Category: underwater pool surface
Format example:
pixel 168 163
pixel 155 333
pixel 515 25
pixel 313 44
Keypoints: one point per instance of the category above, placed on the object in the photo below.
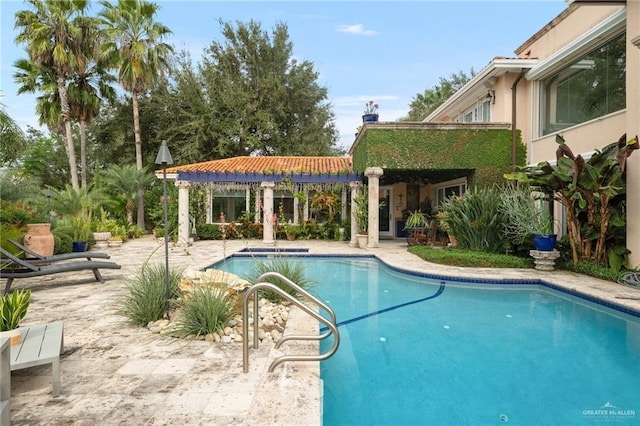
pixel 416 350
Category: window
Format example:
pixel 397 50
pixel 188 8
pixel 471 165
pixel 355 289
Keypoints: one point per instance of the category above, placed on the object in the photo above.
pixel 480 113
pixel 450 188
pixel 588 88
pixel 231 203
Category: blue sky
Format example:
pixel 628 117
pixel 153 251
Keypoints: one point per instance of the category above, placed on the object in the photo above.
pixel 385 51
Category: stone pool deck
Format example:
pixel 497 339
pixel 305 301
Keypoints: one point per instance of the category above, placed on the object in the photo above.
pixel 116 374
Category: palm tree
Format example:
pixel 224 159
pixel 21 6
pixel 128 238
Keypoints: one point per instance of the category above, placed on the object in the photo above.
pixel 12 140
pixel 90 83
pixel 48 32
pixel 32 79
pixel 126 180
pixel 134 41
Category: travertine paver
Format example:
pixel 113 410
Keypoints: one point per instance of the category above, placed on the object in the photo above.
pixel 113 373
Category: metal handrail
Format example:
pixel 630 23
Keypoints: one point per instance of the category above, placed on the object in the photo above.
pixel 331 324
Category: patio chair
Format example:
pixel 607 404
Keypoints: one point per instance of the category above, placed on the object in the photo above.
pixel 39 259
pixel 12 267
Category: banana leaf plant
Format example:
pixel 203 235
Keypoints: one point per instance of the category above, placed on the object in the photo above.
pixel 593 193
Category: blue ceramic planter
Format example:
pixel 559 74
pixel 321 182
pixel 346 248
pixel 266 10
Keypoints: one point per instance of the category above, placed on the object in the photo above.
pixel 369 118
pixel 79 246
pixel 545 242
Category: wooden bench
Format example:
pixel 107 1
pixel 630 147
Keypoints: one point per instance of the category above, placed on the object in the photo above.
pixel 41 344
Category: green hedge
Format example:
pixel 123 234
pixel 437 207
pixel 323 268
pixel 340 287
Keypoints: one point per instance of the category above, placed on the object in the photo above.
pixel 486 151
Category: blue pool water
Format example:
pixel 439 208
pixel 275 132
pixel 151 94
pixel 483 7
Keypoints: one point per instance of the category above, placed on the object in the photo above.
pixel 469 354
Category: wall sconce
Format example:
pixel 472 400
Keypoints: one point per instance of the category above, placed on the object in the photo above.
pixel 400 204
pixel 491 94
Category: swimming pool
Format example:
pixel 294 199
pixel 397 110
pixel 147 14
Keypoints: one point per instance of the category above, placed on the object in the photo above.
pixel 416 350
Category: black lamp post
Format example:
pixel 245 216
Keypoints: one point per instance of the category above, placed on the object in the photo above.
pixel 49 195
pixel 164 158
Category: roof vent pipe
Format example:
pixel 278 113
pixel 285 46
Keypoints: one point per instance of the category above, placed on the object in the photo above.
pixel 514 130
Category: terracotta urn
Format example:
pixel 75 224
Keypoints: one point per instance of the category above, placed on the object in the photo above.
pixel 39 239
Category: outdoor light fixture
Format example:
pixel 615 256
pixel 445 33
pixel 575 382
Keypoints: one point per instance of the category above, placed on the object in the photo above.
pixel 164 158
pixel 49 195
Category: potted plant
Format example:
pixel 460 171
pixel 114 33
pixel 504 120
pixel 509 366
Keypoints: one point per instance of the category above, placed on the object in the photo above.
pixel 81 230
pixel 13 308
pixel 525 220
pixel 370 112
pixel 416 224
pixel 362 217
pixel 102 231
pixel 291 230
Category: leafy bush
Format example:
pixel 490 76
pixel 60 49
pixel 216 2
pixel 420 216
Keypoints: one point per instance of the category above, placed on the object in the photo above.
pixel 288 267
pixel 475 220
pixel 589 268
pixel 63 243
pixel 15 214
pixel 145 300
pixel 470 258
pixel 207 310
pixel 208 231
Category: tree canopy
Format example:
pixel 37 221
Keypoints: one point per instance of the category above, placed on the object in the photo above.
pixel 425 103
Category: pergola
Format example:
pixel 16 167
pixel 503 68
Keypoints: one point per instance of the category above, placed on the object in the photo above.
pixel 263 175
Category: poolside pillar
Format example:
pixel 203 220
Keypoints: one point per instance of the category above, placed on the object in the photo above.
pixel 373 175
pixel 355 190
pixel 183 212
pixel 268 216
pixel 209 207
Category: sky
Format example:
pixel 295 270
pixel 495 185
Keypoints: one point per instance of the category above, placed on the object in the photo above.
pixel 384 51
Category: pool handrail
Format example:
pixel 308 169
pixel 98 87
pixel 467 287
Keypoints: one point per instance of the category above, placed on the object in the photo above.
pixel 245 322
pixel 304 292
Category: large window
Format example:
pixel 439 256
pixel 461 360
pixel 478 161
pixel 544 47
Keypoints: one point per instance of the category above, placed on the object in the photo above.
pixel 231 203
pixel 588 88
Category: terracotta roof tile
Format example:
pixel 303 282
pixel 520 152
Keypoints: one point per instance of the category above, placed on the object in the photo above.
pixel 310 165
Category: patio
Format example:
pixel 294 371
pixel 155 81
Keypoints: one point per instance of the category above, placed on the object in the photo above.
pixel 113 373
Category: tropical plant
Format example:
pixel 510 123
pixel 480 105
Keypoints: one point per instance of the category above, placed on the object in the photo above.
pixel 475 220
pixel 362 211
pixel 125 181
pixel 145 298
pixel 206 311
pixel 49 32
pixel 134 45
pixel 593 193
pixel 290 268
pixel 416 219
pixel 13 308
pixel 523 217
pixel 80 226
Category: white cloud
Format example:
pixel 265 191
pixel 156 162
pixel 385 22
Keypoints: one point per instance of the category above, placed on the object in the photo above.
pixel 357 29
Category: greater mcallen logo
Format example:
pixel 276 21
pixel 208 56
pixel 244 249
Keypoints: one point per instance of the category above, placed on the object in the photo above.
pixel 609 413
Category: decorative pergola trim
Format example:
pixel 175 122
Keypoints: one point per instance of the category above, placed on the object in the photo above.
pixel 253 177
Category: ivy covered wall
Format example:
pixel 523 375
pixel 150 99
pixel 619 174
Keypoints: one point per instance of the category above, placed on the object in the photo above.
pixel 485 151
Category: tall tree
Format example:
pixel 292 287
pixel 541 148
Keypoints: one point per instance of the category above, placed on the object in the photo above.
pixel 49 31
pixel 264 101
pixel 134 42
pixel 91 82
pixel 425 103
